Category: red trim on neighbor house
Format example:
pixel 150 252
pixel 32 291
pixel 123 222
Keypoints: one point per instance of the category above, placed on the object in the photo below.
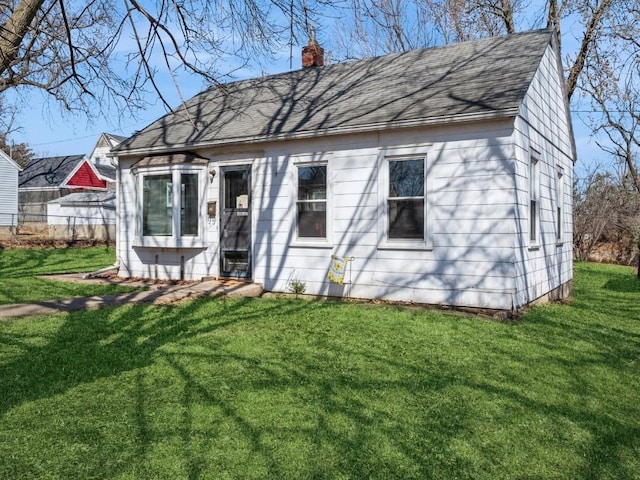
pixel 86 177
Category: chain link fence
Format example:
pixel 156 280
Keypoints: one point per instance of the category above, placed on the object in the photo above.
pixel 30 226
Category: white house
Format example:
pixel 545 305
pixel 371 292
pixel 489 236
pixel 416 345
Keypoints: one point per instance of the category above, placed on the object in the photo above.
pixel 8 191
pixel 86 215
pixel 439 176
pixel 100 153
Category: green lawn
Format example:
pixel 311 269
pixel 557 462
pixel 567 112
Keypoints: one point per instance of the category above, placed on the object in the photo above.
pixel 288 389
pixel 20 268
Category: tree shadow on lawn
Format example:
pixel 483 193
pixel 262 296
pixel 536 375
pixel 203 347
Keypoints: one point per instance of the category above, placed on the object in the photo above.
pixel 624 283
pixel 34 261
pixel 92 345
pixel 401 417
pixel 316 405
pixel 100 343
pixel 309 417
pixel 595 344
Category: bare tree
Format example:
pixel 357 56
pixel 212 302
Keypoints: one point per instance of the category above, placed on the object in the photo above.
pixel 21 153
pixel 595 210
pixel 93 55
pixel 612 83
pixel 377 27
pixel 384 26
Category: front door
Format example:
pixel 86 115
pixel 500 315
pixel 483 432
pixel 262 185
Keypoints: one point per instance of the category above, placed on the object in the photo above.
pixel 235 231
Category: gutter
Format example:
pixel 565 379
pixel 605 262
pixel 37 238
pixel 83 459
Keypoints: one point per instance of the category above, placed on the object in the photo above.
pixel 374 127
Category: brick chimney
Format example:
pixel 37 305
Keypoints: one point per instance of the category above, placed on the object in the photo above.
pixel 313 53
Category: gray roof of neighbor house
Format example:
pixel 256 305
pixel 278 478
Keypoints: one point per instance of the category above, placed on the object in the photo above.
pixel 48 171
pixel 105 199
pixel 115 138
pixel 478 79
pixel 107 172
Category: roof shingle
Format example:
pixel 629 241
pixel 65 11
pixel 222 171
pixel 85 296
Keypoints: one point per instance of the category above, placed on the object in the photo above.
pixel 48 171
pixel 477 79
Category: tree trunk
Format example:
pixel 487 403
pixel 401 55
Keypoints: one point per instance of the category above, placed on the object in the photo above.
pixel 587 40
pixel 553 19
pixel 14 30
pixel 507 16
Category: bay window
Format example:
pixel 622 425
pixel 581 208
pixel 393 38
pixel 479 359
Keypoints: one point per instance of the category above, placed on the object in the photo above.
pixel 170 207
pixel 157 205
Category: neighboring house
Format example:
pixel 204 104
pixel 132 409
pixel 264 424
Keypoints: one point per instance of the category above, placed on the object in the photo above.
pixel 9 171
pixel 46 179
pixel 83 215
pixel 100 153
pixel 441 176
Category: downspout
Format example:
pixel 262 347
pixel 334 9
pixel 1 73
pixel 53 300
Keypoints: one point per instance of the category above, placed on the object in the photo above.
pixel 115 266
pixel 113 160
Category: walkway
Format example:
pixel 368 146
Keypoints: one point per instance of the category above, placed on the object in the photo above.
pixel 158 294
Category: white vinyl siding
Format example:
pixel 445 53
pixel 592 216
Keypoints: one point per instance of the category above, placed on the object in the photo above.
pixel 543 125
pixel 465 258
pixel 8 191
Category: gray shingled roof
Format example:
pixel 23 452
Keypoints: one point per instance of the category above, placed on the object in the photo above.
pixel 106 199
pixel 48 171
pixel 479 79
pixel 115 138
pixel 107 172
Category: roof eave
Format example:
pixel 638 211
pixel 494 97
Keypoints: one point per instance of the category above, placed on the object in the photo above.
pixel 11 161
pixel 373 127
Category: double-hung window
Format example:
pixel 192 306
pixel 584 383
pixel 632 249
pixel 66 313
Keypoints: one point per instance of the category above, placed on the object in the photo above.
pixel 157 205
pixel 559 204
pixel 403 186
pixel 405 204
pixel 170 207
pixel 534 193
pixel 311 201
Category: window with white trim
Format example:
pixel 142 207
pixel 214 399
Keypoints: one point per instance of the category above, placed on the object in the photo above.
pixel 170 204
pixel 311 201
pixel 157 205
pixel 406 199
pixel 534 193
pixel 405 219
pixel 559 204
